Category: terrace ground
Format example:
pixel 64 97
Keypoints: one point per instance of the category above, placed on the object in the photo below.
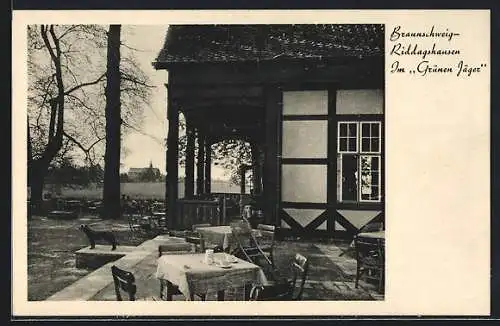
pixel 51 263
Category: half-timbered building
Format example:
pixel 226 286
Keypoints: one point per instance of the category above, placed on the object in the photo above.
pixel 310 101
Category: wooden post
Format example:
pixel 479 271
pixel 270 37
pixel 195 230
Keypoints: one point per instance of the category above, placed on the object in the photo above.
pixel 255 168
pixel 332 162
pixel 224 216
pixel 208 167
pixel 200 165
pixel 271 160
pixel 189 177
pixel 242 180
pixel 172 162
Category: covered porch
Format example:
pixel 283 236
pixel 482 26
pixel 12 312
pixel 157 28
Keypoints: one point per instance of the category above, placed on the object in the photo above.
pixel 309 102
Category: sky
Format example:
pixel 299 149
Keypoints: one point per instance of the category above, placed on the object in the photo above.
pixel 147 145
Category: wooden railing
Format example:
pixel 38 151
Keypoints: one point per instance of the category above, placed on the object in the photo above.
pixel 192 211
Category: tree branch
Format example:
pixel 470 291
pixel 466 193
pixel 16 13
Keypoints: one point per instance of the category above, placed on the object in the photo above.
pixel 47 42
pixel 131 48
pixel 135 80
pixel 85 150
pixel 71 90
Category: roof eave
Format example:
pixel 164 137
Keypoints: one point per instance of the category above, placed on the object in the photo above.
pixel 159 65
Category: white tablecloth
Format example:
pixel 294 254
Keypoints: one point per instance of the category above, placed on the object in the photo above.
pixel 193 276
pixel 221 235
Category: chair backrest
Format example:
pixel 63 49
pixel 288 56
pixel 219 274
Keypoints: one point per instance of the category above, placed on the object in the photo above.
pixel 267 233
pixel 300 269
pixel 124 281
pixel 169 249
pixel 369 251
pixel 248 246
pixel 197 240
pixel 372 227
pixel 372 249
pixel 266 227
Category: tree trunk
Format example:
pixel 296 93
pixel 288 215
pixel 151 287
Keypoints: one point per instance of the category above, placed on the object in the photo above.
pixel 30 156
pixel 37 169
pixel 37 180
pixel 111 189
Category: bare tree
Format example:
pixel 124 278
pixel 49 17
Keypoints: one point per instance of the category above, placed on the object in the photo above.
pixel 66 97
pixel 54 98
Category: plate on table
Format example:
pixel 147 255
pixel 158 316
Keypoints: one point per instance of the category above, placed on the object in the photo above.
pixel 225 266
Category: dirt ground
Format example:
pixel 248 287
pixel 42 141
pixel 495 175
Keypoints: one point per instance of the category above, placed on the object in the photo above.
pixel 51 261
pixel 51 251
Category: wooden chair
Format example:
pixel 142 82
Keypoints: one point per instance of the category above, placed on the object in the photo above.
pixel 266 239
pixel 370 259
pixel 249 249
pixel 196 238
pixel 287 290
pixel 248 246
pixel 124 281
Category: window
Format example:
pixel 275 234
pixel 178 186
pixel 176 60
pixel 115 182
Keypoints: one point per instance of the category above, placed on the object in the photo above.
pixel 359 161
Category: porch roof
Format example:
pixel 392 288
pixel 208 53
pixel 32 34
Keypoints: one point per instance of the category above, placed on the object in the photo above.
pixel 246 43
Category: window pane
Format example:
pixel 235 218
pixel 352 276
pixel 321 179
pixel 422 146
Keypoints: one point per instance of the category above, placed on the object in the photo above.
pixel 365 129
pixel 352 144
pixel 349 177
pixel 370 183
pixel 343 130
pixel 375 129
pixel 365 145
pixel 352 130
pixel 343 145
pixel 375 145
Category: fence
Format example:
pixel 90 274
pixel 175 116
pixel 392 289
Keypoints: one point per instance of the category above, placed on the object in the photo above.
pixel 191 212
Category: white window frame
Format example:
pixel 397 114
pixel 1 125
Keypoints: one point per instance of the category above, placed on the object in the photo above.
pixel 361 123
pixel 360 197
pixel 359 153
pixel 357 136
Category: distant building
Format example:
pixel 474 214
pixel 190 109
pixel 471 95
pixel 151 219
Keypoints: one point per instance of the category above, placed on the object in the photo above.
pixel 144 174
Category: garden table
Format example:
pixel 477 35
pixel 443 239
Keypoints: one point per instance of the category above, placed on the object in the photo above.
pixel 372 235
pixel 192 275
pixel 376 235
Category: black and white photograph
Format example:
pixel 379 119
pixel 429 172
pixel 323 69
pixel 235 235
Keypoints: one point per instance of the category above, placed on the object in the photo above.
pixel 340 160
pixel 259 176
